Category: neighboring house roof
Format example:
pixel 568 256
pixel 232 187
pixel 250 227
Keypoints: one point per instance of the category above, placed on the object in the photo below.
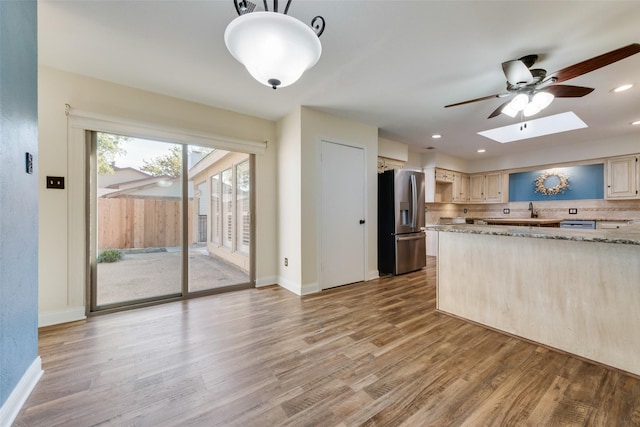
pixel 130 182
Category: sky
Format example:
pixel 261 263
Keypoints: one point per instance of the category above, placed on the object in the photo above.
pixel 142 149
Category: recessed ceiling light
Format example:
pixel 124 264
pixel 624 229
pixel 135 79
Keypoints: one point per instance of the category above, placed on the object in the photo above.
pixel 436 136
pixel 637 122
pixel 622 88
pixel 482 150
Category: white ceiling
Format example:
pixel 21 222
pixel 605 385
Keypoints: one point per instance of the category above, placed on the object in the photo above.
pixel 391 64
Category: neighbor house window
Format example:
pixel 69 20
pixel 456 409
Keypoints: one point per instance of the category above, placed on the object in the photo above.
pixel 216 206
pixel 242 207
pixel 227 208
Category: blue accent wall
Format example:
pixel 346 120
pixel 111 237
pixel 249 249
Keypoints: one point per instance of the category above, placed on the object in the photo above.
pixel 18 193
pixel 585 182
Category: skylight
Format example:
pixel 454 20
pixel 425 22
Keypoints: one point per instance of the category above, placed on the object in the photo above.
pixel 533 128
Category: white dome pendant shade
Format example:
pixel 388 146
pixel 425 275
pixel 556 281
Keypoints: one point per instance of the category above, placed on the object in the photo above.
pixel 275 48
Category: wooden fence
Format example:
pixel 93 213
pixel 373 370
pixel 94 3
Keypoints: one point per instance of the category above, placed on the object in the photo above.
pixel 125 223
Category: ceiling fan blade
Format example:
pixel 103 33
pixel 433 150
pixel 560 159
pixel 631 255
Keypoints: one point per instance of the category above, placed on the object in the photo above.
pixel 517 72
pixel 594 63
pixel 498 110
pixel 568 91
pixel 484 98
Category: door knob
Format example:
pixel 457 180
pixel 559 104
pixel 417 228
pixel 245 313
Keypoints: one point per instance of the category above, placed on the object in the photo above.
pixel 362 221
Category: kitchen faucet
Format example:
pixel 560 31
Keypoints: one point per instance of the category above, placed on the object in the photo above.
pixel 533 214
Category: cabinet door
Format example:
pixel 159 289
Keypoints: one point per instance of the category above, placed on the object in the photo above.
pixel 444 175
pixel 476 188
pixel 464 188
pixel 493 187
pixel 460 187
pixel 622 178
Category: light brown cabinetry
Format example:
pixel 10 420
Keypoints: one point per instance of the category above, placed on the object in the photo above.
pixel 622 178
pixel 444 175
pixel 460 188
pixel 486 188
pixel 611 225
pixel 446 186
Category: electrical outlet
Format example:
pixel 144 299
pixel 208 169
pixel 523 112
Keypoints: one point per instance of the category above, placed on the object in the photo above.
pixel 55 182
pixel 506 211
pixel 464 210
pixel 573 211
pixel 286 262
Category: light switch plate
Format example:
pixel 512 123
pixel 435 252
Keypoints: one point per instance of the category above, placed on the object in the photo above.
pixel 573 211
pixel 28 162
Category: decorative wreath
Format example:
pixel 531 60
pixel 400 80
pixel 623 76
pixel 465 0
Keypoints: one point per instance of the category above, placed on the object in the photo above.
pixel 560 188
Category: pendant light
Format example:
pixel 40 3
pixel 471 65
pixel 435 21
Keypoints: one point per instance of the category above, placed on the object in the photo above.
pixel 275 48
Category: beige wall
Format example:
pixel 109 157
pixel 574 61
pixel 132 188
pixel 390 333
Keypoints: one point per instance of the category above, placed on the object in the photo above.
pixel 318 126
pixel 61 282
pixel 299 140
pixel 289 180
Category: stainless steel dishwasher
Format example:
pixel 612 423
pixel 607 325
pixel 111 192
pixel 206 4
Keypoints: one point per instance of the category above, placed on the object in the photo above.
pixel 578 224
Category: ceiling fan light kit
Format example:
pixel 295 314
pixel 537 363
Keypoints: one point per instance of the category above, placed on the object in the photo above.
pixel 275 48
pixel 529 105
pixel 527 84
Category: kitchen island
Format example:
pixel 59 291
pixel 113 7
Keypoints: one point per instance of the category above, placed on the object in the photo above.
pixel 574 290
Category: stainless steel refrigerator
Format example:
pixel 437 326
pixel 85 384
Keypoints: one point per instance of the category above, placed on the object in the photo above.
pixel 401 236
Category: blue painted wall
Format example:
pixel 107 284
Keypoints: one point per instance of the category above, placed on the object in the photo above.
pixel 585 182
pixel 18 193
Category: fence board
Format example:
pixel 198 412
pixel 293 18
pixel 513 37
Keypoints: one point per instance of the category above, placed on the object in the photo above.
pixel 126 223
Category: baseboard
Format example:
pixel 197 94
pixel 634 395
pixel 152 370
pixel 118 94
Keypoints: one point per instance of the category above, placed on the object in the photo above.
pixel 290 285
pixel 266 281
pixel 374 274
pixel 311 288
pixel 9 411
pixel 72 314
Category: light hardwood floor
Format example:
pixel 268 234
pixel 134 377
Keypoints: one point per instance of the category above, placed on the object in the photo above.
pixel 374 353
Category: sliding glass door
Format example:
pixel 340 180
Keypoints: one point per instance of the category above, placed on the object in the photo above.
pixel 220 258
pixel 168 220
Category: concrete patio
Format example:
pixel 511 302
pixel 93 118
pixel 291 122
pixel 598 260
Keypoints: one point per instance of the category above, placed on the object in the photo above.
pixel 151 274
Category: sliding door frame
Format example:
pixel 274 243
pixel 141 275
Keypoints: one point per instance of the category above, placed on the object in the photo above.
pixel 90 123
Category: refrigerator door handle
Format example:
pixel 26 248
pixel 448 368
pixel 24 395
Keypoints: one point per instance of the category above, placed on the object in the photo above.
pixel 414 200
pixel 418 237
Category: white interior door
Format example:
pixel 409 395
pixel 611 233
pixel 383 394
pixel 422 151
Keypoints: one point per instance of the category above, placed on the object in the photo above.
pixel 343 214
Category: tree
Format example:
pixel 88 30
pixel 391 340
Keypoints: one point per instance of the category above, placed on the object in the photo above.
pixel 168 165
pixel 109 149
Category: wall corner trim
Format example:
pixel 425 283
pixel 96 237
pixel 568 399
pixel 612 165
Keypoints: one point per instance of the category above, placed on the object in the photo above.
pixel 373 274
pixel 290 285
pixel 9 411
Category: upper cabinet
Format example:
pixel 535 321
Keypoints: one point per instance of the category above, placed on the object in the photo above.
pixel 622 178
pixel 444 175
pixel 486 188
pixel 446 186
pixel 460 188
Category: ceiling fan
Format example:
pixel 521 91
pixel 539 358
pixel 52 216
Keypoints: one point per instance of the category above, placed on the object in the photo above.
pixel 535 90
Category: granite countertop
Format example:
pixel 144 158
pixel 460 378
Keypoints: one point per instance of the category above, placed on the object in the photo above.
pixel 629 235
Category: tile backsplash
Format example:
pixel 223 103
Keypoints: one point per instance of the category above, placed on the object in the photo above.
pixel 586 209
